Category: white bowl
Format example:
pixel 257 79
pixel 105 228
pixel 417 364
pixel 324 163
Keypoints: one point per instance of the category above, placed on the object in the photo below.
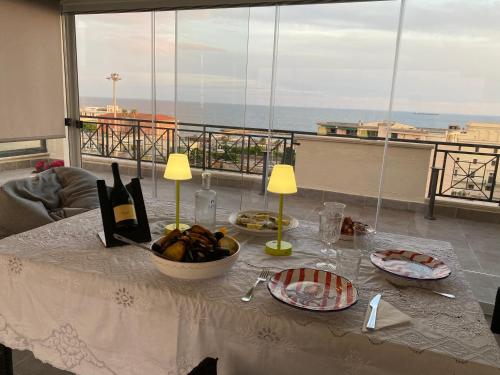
pixel 197 271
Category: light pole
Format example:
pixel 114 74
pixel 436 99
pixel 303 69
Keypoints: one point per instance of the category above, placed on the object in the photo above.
pixel 114 77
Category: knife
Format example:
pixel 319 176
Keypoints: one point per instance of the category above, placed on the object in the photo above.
pixel 130 242
pixel 373 314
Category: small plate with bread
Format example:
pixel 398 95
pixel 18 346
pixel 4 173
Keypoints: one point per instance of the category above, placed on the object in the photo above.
pixel 261 222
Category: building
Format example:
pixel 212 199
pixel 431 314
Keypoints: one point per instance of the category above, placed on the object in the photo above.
pixel 397 131
pixel 339 128
pixel 469 172
pixel 99 111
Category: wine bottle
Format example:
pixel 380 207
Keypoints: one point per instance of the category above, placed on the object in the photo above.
pixel 205 204
pixel 122 202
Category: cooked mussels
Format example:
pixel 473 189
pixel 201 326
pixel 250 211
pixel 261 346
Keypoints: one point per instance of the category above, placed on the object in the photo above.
pixel 197 244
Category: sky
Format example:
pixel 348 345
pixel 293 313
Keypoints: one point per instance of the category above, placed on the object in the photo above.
pixel 328 55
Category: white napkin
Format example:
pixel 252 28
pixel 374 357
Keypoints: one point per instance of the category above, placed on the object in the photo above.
pixel 387 316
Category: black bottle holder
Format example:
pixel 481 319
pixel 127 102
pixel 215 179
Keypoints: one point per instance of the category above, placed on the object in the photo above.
pixel 141 233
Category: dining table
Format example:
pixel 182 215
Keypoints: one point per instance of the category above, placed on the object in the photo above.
pixel 92 310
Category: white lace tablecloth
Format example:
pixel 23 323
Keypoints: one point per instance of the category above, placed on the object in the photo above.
pixel 92 310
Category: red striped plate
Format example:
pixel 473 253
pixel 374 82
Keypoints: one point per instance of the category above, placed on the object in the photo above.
pixel 410 264
pixel 311 289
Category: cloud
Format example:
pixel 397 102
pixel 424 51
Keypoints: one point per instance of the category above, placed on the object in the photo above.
pixel 200 47
pixel 332 55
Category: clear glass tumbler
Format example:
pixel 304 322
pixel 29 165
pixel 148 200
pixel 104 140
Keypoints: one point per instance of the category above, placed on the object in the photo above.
pixel 365 242
pixel 349 261
pixel 330 225
pixel 364 238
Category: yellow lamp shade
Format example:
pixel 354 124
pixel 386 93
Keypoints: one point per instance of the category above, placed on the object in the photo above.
pixel 178 168
pixel 282 180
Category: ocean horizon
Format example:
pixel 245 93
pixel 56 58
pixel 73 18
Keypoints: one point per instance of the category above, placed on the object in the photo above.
pixel 285 118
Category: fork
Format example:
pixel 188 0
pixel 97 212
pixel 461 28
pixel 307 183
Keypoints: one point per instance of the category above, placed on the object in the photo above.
pixel 264 274
pixel 397 286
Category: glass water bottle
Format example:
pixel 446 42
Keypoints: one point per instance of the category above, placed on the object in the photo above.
pixel 205 203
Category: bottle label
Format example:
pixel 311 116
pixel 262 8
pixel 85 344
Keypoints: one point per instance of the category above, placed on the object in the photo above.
pixel 124 212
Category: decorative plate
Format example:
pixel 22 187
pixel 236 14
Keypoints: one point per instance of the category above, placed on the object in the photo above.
pixel 263 219
pixel 311 289
pixel 410 264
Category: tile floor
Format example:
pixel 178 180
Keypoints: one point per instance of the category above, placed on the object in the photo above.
pixel 477 244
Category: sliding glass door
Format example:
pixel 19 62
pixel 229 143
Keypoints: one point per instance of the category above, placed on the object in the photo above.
pixel 114 76
pixel 210 99
pixel 240 90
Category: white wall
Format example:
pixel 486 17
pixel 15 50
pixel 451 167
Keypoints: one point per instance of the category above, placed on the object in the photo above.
pixel 352 166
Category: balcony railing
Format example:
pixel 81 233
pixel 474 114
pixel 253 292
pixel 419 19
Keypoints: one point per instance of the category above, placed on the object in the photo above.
pixel 467 171
pixel 210 147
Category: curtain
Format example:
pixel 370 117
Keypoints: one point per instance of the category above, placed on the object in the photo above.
pixel 31 70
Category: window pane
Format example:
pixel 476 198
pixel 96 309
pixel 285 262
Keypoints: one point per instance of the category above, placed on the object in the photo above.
pixel 211 99
pixel 114 77
pixel 8 148
pixel 448 91
pixel 334 73
pixel 18 159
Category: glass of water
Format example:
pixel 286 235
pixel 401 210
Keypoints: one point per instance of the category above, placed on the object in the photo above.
pixel 364 238
pixel 330 225
pixel 349 261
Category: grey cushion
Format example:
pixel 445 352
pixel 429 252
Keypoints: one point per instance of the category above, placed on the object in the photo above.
pixel 49 196
pixel 79 188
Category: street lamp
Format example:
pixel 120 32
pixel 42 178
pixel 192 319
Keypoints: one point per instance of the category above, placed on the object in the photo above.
pixel 114 77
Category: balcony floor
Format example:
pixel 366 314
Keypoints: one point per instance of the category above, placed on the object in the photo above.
pixel 476 243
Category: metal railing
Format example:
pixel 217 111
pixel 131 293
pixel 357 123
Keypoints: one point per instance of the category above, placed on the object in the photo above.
pixel 210 147
pixel 467 170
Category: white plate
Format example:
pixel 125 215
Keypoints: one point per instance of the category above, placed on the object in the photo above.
pixel 410 264
pixel 294 223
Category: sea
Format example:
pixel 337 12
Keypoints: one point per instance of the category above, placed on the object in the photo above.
pixel 284 117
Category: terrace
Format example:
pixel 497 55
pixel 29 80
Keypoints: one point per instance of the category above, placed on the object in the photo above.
pixel 474 242
pixel 343 91
pixel 467 191
pixel 467 217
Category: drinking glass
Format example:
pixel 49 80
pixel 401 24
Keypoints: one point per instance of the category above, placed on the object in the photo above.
pixel 349 261
pixel 330 225
pixel 364 242
pixel 364 238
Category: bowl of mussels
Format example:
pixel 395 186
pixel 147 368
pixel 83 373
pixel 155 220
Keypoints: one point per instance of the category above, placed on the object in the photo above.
pixel 196 253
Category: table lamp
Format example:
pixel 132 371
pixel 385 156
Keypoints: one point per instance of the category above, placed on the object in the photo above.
pixel 177 169
pixel 282 182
